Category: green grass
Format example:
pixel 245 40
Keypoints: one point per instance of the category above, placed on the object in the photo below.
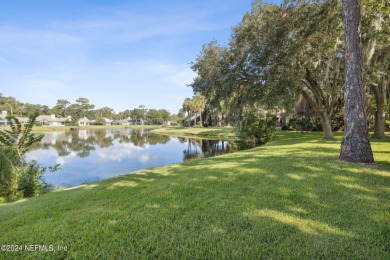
pixel 219 133
pixel 291 198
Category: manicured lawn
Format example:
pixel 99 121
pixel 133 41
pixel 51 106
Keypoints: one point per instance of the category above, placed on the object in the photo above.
pixel 291 198
pixel 219 133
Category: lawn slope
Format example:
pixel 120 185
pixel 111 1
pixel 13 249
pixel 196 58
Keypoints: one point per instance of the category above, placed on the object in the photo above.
pixel 291 198
pixel 211 133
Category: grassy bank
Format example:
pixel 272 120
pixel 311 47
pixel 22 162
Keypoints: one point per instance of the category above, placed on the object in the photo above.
pixel 218 133
pixel 291 198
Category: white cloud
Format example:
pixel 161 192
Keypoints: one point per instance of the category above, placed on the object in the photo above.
pixel 117 152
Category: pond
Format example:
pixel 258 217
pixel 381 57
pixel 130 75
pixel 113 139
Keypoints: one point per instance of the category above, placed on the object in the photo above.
pixel 91 155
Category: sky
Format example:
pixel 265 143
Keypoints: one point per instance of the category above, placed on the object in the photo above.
pixel 116 53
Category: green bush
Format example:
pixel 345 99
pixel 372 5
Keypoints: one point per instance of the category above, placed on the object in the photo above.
pixel 18 178
pixel 100 121
pixel 257 129
pixel 31 182
pixel 10 163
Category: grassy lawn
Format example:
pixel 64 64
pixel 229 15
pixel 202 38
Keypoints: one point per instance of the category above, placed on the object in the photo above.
pixel 219 133
pixel 291 198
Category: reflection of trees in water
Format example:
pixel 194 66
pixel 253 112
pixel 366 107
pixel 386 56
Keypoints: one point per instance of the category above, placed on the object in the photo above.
pixel 84 141
pixel 198 148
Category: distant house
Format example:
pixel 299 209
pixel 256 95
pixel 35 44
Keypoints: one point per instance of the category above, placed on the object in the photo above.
pixel 136 122
pixel 110 121
pixel 52 120
pixel 3 118
pixel 23 120
pixel 170 122
pixel 4 121
pixel 125 121
pixel 85 121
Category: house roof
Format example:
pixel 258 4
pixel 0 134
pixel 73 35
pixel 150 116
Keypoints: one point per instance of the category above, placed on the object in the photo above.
pixel 52 119
pixel 107 120
pixel 23 119
pixel 85 119
pixel 127 120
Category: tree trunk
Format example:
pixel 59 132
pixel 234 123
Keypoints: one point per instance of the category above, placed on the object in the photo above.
pixel 355 146
pixel 324 113
pixel 327 126
pixel 380 122
pixel 380 114
pixel 201 121
pixel 196 115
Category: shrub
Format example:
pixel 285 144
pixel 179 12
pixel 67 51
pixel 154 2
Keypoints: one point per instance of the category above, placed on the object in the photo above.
pixel 257 129
pixel 18 178
pixel 10 162
pixel 100 121
pixel 31 182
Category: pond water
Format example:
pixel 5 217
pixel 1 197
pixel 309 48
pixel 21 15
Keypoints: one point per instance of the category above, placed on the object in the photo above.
pixel 90 155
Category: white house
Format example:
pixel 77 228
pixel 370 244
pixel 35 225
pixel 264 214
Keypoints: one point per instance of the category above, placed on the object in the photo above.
pixel 52 120
pixel 125 121
pixel 85 121
pixel 3 118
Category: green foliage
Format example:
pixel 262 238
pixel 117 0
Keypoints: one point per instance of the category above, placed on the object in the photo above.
pixel 20 136
pixel 304 124
pixel 258 129
pixel 100 121
pixel 10 163
pixel 17 177
pixel 32 183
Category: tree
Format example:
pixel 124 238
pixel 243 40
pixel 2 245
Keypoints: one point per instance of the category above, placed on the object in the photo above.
pixel 100 121
pixel 153 116
pixel 308 59
pixel 75 111
pixel 16 175
pixel 199 103
pixel 62 104
pixel 355 145
pixel 138 113
pixel 85 105
pixel 105 112
pixel 19 137
pixel 188 107
pixel 376 58
pixel 217 83
pixel 164 115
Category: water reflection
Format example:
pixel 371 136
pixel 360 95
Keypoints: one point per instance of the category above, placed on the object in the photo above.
pixel 89 155
pixel 199 148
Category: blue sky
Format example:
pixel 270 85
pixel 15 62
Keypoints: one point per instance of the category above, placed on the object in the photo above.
pixel 117 53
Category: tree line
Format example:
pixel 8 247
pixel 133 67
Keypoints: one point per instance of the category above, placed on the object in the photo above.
pixel 82 107
pixel 280 55
pixel 292 59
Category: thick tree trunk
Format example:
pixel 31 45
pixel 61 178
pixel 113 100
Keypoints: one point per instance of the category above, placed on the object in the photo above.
pixel 327 126
pixel 324 113
pixel 355 146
